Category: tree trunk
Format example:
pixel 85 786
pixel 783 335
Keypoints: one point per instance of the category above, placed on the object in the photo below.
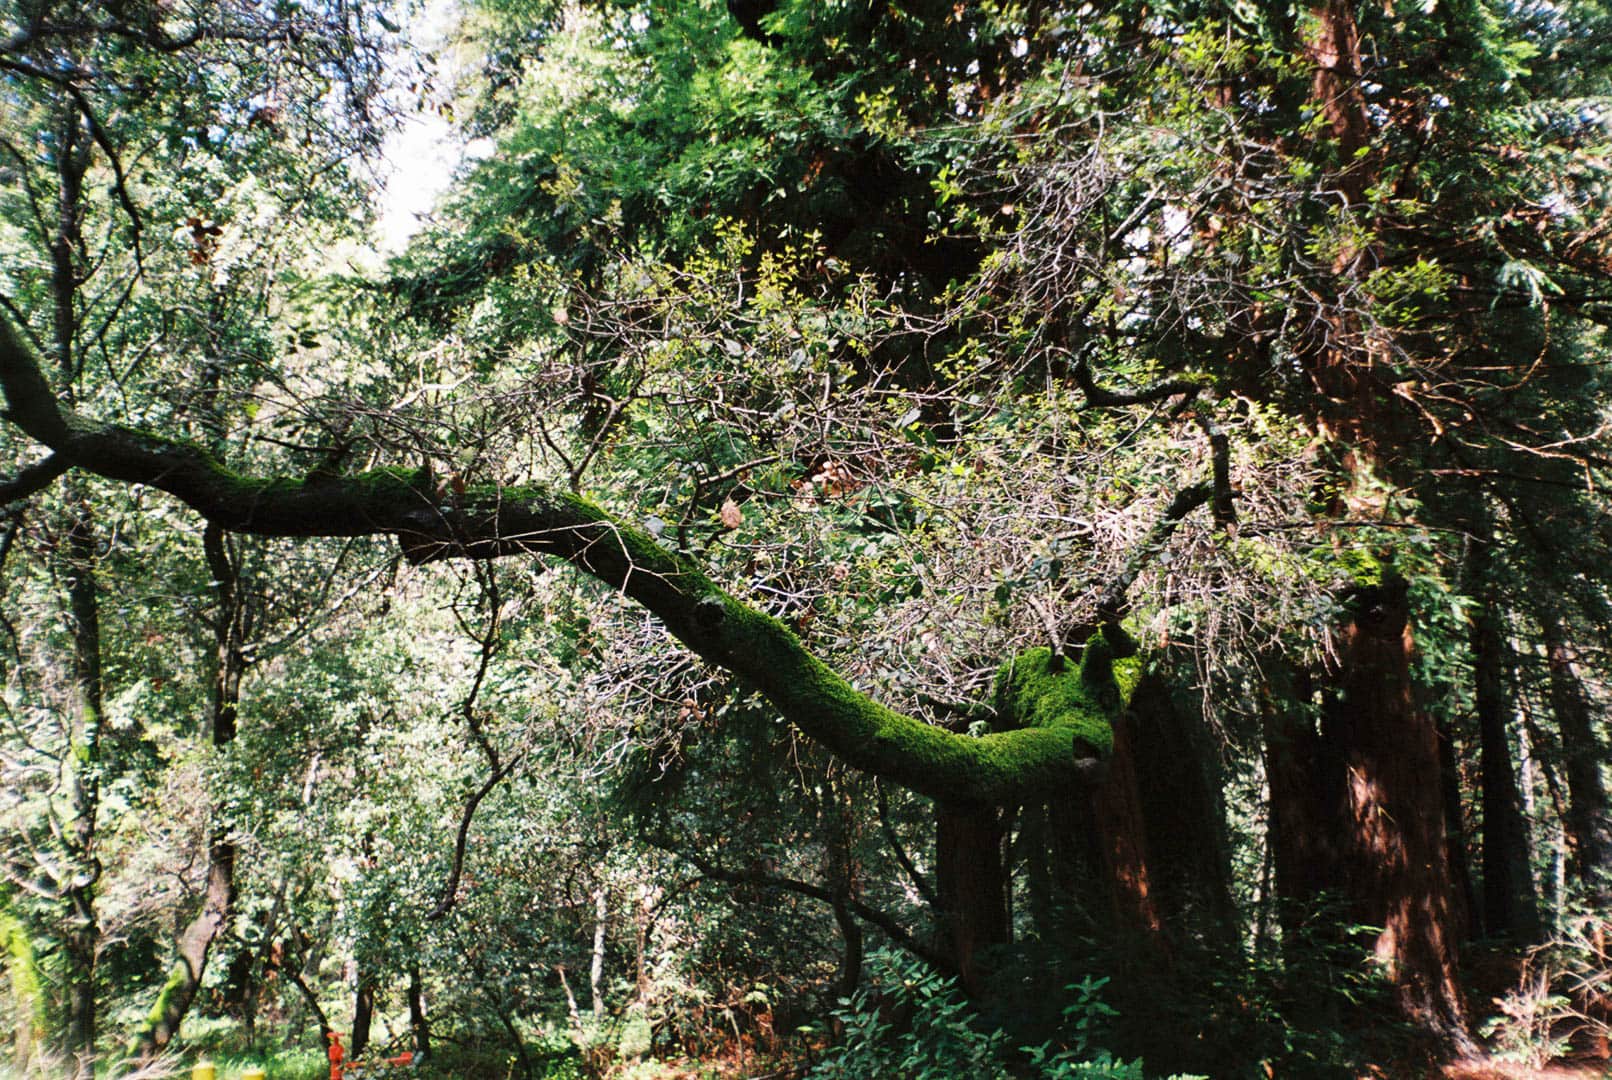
pixel 1587 820
pixel 196 941
pixel 1455 851
pixel 1393 845
pixel 1301 774
pixel 1510 907
pixel 82 937
pixel 1121 834
pixel 363 1014
pixel 1178 794
pixel 601 922
pixel 417 1020
pixel 971 886
pixel 1357 813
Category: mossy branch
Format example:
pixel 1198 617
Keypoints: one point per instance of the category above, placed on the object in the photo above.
pixel 489 521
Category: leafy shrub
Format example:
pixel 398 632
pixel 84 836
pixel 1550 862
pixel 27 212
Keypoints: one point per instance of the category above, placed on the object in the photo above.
pixel 915 1024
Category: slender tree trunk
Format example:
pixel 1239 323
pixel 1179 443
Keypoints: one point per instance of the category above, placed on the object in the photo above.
pixel 596 961
pixel 363 1014
pixel 1510 907
pixel 971 885
pixel 840 871
pixel 1588 822
pixel 1455 852
pixel 82 937
pixel 196 941
pixel 851 966
pixel 417 1019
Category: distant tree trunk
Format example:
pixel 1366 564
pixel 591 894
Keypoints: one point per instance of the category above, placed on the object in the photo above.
pixel 417 1019
pixel 1510 907
pixel 851 965
pixel 196 941
pixel 82 937
pixel 1455 830
pixel 363 1013
pixel 970 885
pixel 601 922
pixel 1587 821
pixel 1302 777
pixel 839 815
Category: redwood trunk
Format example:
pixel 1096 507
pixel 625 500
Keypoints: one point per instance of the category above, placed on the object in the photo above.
pixel 1393 848
pixel 1121 835
pixel 971 886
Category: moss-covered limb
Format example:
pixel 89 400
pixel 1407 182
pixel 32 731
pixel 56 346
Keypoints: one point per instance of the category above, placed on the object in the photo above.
pixel 488 521
pixel 167 1012
pixel 27 997
pixel 1037 690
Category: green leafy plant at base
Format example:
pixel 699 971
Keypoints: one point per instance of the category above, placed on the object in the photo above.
pixel 1554 1001
pixel 914 1023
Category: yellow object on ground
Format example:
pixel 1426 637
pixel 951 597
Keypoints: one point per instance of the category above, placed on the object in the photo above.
pixel 204 1070
pixel 254 1073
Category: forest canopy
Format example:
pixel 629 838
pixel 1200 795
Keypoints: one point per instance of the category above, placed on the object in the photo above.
pixel 858 539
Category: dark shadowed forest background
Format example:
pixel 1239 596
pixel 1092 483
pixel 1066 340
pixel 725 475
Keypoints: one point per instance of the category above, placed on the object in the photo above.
pixel 860 539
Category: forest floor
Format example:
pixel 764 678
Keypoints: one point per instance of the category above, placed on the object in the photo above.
pixel 1492 1070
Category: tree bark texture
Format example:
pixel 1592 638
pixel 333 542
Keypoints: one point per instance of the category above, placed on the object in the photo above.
pixel 971 886
pixel 1393 845
pixel 1510 907
pixel 1588 821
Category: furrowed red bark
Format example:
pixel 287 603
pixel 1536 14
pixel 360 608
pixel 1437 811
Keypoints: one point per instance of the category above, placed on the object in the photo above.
pixel 1393 851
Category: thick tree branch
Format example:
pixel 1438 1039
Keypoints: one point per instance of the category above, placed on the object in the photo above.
pixel 489 521
pixel 1115 602
pixel 32 479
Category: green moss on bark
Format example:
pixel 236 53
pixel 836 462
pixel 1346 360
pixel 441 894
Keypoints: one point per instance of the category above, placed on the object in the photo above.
pixel 167 1008
pixel 1036 690
pixel 27 992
